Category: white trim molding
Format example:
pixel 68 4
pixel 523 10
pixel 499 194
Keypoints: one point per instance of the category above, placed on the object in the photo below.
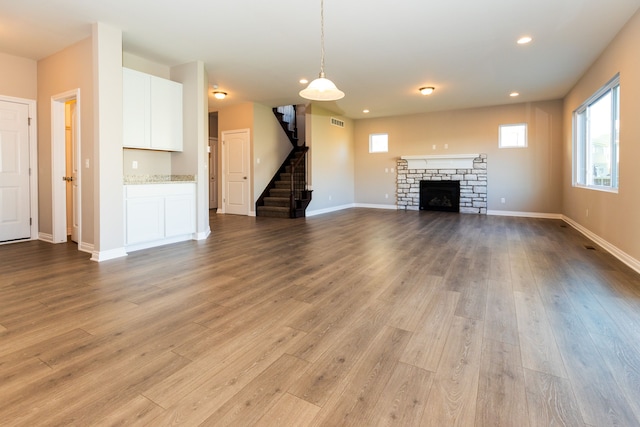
pixel 525 214
pixel 201 235
pixel 612 249
pixel 374 206
pixel 107 255
pixel 331 209
pixel 86 247
pixel 45 237
pixel 441 161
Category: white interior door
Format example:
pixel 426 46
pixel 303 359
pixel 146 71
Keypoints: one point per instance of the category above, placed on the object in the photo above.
pixel 14 172
pixel 213 173
pixel 236 171
pixel 72 172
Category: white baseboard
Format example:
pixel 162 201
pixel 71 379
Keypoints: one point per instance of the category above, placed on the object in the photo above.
pixel 202 235
pixel 525 214
pixel 45 237
pixel 331 209
pixel 161 242
pixel 86 247
pixel 612 249
pixel 375 206
pixel 100 256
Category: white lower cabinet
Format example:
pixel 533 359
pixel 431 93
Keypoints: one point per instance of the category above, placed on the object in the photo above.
pixel 179 214
pixel 157 214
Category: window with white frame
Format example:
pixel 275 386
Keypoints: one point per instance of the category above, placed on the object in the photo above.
pixel 596 139
pixel 378 143
pixel 512 136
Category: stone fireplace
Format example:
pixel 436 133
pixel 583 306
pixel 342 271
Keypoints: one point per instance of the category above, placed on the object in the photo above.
pixel 469 169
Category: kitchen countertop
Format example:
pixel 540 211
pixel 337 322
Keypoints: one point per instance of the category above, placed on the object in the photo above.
pixel 158 179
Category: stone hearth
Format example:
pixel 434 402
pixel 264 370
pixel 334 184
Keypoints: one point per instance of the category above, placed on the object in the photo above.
pixel 469 169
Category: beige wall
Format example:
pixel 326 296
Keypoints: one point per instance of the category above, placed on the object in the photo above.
pixel 144 65
pixel 18 77
pixel 527 177
pixel 612 217
pixel 66 70
pixel 331 159
pixel 150 162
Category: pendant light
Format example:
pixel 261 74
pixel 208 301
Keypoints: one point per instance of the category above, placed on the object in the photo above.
pixel 322 89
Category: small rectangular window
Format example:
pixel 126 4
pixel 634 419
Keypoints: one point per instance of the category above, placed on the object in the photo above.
pixel 378 143
pixel 512 136
pixel 596 139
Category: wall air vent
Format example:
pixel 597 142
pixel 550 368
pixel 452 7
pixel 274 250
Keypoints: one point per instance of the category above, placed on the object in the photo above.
pixel 337 122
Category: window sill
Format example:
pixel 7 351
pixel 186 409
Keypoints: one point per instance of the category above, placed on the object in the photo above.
pixel 595 188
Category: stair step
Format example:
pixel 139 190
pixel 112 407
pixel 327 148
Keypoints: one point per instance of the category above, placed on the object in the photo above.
pixel 277 201
pixel 288 168
pixel 283 184
pixel 273 211
pixel 279 192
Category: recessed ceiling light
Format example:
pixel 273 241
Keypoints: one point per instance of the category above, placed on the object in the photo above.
pixel 428 90
pixel 365 111
pixel 304 81
pixel 514 94
pixel 524 40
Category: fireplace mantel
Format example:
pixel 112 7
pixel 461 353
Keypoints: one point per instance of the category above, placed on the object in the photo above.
pixel 443 161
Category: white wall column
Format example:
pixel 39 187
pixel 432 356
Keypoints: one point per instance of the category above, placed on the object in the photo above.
pixel 107 160
pixel 194 159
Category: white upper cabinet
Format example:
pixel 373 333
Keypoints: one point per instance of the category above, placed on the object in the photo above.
pixel 136 107
pixel 152 109
pixel 166 114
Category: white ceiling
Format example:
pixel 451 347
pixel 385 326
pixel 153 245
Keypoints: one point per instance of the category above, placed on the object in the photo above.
pixel 379 52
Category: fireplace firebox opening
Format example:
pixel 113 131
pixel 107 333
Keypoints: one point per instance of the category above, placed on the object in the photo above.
pixel 440 196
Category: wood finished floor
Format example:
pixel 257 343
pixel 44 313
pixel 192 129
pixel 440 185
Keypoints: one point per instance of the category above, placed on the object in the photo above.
pixel 360 317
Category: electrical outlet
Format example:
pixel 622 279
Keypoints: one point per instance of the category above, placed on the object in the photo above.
pixel 433 146
pixel 134 164
pixel 503 200
pixel 446 146
pixel 587 213
pixel 386 196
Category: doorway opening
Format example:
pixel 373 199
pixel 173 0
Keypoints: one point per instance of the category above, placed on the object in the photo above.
pixel 65 171
pixel 213 173
pixel 214 177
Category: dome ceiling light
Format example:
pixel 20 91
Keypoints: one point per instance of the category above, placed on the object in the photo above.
pixel 322 89
pixel 427 90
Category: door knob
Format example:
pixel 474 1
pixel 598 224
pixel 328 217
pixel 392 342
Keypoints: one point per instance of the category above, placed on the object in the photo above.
pixel 244 177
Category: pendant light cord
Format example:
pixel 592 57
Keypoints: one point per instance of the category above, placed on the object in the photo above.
pixel 321 38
